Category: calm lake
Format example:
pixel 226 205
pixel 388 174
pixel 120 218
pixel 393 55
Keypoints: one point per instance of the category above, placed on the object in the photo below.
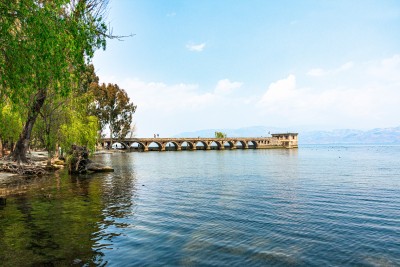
pixel 312 206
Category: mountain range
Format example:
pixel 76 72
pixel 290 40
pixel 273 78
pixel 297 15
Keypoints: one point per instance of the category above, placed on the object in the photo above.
pixel 340 136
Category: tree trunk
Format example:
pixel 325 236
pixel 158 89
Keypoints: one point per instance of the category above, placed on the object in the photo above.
pixel 1 148
pixel 111 134
pixel 19 153
pixel 57 155
pixel 48 144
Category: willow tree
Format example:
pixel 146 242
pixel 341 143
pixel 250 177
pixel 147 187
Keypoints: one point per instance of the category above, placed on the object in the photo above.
pixel 44 45
pixel 65 121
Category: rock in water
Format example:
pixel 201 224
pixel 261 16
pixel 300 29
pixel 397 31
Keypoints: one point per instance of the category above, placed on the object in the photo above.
pixel 98 167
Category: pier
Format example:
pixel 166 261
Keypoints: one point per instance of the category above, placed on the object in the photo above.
pixel 279 140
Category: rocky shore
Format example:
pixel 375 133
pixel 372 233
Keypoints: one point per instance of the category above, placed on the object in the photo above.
pixel 38 165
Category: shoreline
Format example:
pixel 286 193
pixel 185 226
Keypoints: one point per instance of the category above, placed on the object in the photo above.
pixel 38 160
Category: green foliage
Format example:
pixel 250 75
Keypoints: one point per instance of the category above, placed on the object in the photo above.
pixel 61 119
pixel 79 130
pixel 10 124
pixel 112 107
pixel 220 135
pixel 45 44
pixel 44 48
pixel 52 114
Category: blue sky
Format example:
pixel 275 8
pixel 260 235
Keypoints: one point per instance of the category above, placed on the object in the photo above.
pixel 228 64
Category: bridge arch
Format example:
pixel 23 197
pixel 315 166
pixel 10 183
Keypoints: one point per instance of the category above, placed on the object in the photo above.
pixel 252 144
pixel 202 144
pixel 187 145
pixel 228 144
pixel 119 145
pixel 241 144
pixel 139 146
pixel 157 146
pixel 175 145
pixel 215 144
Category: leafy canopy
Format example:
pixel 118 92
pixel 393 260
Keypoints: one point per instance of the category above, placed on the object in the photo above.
pixel 113 108
pixel 44 43
pixel 220 135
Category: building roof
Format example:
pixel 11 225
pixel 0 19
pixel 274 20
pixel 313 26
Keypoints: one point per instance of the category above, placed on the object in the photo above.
pixel 284 134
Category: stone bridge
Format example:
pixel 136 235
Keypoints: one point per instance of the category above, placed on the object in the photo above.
pixel 285 140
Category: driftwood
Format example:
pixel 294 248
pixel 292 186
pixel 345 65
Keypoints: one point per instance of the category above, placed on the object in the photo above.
pixel 78 158
pixel 78 162
pixel 22 169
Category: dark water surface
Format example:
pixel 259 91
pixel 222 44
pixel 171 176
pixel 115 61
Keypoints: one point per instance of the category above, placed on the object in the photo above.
pixel 315 206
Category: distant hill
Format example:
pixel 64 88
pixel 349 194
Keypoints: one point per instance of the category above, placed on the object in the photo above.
pixel 348 136
pixel 341 136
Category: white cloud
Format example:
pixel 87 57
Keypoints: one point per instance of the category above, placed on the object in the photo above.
pixel 166 98
pixel 358 106
pixel 345 66
pixel 387 69
pixel 365 97
pixel 318 72
pixel 196 47
pixel 173 108
pixel 281 89
pixel 225 86
pixel 172 14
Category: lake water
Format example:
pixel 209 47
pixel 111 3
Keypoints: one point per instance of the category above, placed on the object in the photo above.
pixel 314 206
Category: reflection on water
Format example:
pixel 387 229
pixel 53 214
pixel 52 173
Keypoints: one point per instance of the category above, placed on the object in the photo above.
pixel 315 206
pixel 62 220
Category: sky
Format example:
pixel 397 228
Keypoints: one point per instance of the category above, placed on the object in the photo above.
pixel 226 64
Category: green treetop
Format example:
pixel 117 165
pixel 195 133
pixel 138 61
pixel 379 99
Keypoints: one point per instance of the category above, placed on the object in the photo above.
pixel 220 135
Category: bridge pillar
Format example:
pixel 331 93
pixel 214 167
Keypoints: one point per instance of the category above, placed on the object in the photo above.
pixel 218 143
pixel 145 147
pixel 244 144
pixel 178 146
pixel 231 145
pixel 190 145
pixel 163 146
pixel 108 145
pixel 207 145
